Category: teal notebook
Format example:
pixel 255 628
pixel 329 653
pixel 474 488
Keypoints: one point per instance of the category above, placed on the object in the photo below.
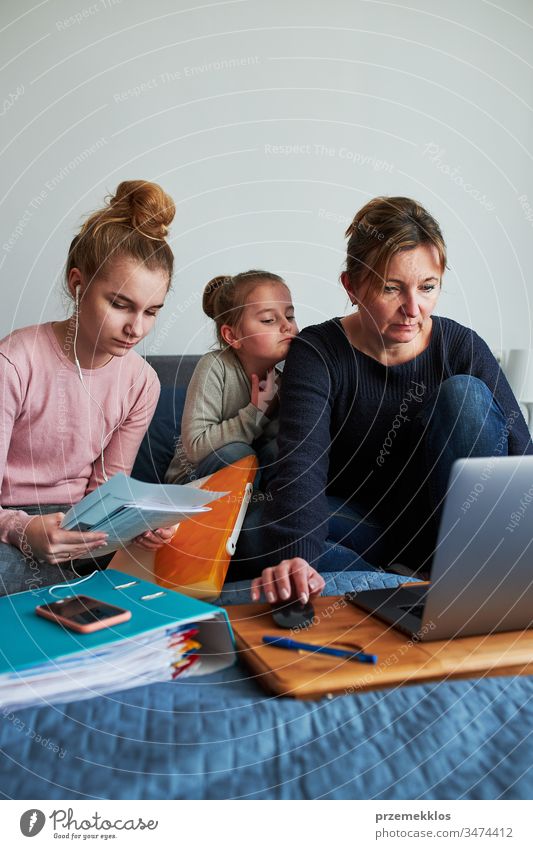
pixel 36 654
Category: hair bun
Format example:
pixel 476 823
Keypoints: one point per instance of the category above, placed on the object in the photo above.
pixel 210 297
pixel 143 206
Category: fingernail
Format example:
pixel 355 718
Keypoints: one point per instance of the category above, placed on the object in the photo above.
pixel 312 585
pixel 284 593
pixel 304 598
pixel 271 597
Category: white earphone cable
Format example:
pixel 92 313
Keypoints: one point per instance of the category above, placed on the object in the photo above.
pixel 103 436
pixel 74 584
pixel 78 366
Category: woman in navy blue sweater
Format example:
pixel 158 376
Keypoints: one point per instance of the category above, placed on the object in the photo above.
pixel 376 407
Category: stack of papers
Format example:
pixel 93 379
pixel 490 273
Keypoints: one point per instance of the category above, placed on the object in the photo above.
pixel 169 636
pixel 124 508
pixel 160 657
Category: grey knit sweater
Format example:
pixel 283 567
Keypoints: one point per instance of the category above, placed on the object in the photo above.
pixel 217 411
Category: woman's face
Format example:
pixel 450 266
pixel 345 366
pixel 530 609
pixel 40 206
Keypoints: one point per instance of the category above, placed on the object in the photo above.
pixel 118 309
pixel 401 311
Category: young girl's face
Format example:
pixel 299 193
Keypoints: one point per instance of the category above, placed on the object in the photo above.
pixel 117 310
pixel 267 325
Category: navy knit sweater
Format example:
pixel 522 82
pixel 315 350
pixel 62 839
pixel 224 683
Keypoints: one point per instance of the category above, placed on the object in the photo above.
pixel 337 425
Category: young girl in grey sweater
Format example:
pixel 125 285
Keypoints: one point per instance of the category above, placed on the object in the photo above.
pixel 232 399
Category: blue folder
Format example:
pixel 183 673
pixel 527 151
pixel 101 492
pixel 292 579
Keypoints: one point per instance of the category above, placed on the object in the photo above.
pixel 28 640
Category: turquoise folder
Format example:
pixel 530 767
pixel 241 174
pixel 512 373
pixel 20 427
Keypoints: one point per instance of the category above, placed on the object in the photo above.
pixel 28 640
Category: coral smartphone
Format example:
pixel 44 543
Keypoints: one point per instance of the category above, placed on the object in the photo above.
pixel 82 613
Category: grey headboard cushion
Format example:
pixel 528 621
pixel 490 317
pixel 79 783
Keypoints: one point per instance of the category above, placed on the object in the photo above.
pixel 174 370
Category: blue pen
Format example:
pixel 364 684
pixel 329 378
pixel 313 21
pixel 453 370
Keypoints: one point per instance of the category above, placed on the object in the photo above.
pixel 294 645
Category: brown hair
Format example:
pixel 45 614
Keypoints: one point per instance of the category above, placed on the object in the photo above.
pixel 382 228
pixel 224 297
pixel 134 223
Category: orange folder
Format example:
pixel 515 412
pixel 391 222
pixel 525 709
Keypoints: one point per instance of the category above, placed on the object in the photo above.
pixel 196 560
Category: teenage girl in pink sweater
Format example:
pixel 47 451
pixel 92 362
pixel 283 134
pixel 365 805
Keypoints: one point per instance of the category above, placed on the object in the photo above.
pixel 76 398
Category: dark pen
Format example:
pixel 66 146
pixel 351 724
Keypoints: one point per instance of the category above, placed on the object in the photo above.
pixel 295 645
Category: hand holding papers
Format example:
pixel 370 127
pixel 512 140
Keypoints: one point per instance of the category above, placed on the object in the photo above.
pixel 123 508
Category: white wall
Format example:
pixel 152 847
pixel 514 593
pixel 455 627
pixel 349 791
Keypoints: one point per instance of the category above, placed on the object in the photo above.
pixel 270 124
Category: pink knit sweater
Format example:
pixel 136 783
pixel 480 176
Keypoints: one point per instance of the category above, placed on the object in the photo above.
pixel 51 427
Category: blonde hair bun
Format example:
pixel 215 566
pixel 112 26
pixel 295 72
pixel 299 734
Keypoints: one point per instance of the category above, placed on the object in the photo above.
pixel 143 206
pixel 133 223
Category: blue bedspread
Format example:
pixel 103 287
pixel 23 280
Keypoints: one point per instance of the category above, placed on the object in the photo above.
pixel 220 737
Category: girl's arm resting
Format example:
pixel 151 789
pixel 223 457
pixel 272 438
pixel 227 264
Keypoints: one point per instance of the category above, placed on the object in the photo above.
pixel 246 426
pixel 202 430
pixel 39 537
pixel 12 522
pixel 42 537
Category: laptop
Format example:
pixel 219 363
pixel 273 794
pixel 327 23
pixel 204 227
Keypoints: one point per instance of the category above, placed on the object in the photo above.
pixel 482 573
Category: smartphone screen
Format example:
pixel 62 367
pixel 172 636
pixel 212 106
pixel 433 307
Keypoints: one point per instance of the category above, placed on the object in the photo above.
pixel 83 611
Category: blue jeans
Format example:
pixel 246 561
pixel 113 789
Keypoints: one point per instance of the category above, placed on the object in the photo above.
pixel 20 572
pixel 460 419
pixel 355 542
pixel 265 450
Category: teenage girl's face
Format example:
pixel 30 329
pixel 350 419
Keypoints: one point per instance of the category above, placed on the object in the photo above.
pixel 267 325
pixel 117 310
